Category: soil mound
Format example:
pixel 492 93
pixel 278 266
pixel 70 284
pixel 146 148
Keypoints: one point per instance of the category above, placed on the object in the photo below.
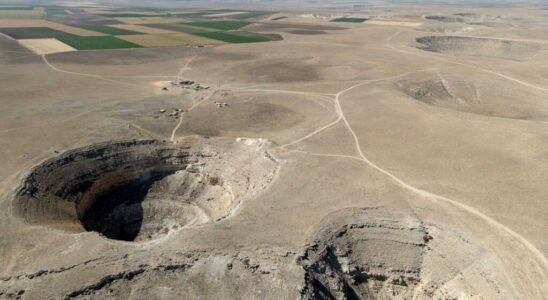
pixel 479 47
pixel 139 190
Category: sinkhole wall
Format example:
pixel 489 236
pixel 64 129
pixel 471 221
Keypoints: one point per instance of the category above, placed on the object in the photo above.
pixel 64 192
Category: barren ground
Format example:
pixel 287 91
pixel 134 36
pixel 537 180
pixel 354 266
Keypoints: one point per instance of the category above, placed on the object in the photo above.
pixel 404 157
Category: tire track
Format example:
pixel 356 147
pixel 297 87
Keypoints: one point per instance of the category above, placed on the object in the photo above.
pixel 423 193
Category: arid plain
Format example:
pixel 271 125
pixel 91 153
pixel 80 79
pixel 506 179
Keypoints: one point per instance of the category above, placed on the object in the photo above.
pixel 403 156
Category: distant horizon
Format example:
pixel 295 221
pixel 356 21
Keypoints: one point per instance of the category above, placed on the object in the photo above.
pixel 311 2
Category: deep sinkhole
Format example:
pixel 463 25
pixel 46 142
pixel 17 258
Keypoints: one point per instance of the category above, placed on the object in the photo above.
pixel 140 190
pixel 117 212
pixel 98 188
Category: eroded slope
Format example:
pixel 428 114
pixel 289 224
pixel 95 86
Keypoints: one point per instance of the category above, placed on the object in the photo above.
pixel 364 253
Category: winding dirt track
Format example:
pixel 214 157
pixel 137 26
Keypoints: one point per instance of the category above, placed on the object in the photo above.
pixel 336 98
pixel 536 254
pixel 101 76
pixel 402 183
pixel 172 138
pixel 179 77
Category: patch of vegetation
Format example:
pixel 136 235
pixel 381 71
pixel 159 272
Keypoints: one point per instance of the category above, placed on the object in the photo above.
pixel 279 18
pixel 16 8
pixel 130 15
pixel 179 27
pixel 35 33
pixel 220 25
pixel 97 42
pixel 251 15
pixel 109 30
pixel 56 12
pixel 21 16
pixel 237 37
pixel 269 36
pixel 351 20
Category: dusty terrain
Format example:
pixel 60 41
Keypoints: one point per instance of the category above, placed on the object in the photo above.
pixel 370 160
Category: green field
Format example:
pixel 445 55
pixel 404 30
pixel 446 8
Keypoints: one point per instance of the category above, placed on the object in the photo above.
pixel 17 8
pixel 56 12
pixel 262 36
pixel 279 18
pixel 180 27
pixel 238 37
pixel 108 30
pixel 35 33
pixel 130 15
pixel 220 25
pixel 20 16
pixel 97 42
pixel 351 20
pixel 251 15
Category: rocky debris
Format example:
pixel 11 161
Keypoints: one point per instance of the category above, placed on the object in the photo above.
pixel 186 82
pixel 253 275
pixel 110 280
pixel 441 92
pixel 16 294
pixel 50 271
pixel 221 104
pixel 88 290
pixel 140 190
pixel 189 84
pixel 364 253
pixel 174 112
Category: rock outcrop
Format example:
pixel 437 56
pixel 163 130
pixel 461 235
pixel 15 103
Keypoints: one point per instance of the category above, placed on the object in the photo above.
pixel 364 253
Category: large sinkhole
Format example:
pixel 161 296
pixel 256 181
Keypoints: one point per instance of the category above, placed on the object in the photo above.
pixel 140 190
